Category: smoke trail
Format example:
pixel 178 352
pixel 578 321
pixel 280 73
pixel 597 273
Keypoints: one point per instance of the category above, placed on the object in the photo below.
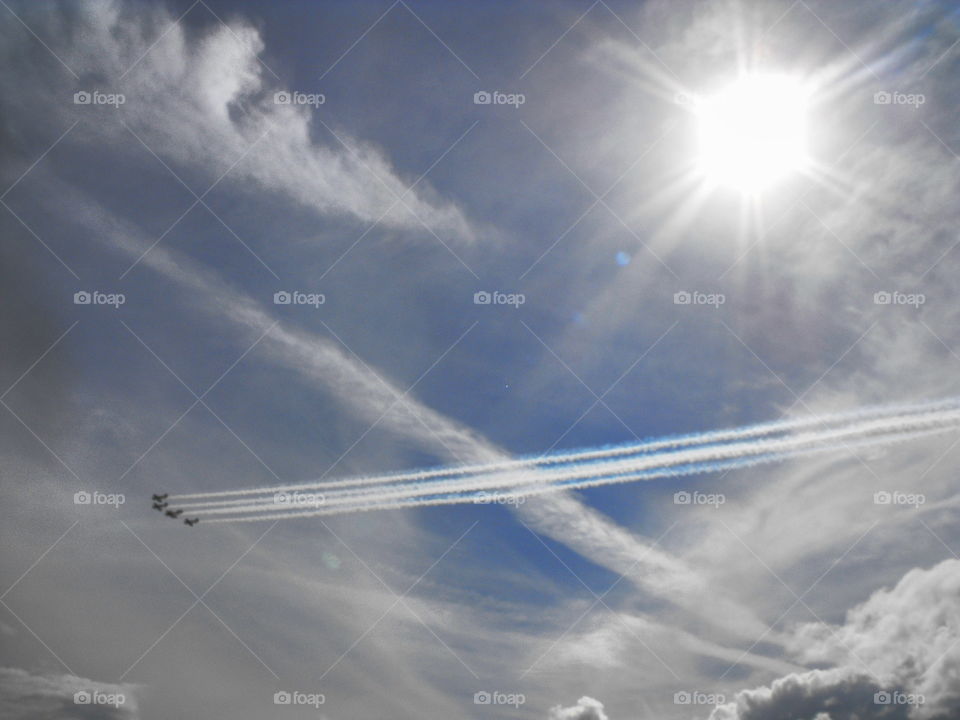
pixel 882 430
pixel 620 466
pixel 714 436
pixel 681 471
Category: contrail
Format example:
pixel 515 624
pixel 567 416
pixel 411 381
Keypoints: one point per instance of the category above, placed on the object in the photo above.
pixel 621 466
pixel 645 460
pixel 454 486
pixel 701 438
pixel 523 492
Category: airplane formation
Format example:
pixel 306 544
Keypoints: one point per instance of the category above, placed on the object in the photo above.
pixel 160 504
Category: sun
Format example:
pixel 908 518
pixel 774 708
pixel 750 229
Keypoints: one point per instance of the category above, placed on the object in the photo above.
pixel 753 133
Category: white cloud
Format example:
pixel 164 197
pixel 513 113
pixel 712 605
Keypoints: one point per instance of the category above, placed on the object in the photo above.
pixel 201 101
pixel 586 709
pixel 905 639
pixel 908 635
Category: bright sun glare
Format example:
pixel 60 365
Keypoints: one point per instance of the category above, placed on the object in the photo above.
pixel 753 133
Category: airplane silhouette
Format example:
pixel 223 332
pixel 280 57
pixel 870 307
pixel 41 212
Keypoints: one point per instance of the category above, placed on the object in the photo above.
pixel 159 505
pixel 191 523
pixel 173 513
pixel 160 498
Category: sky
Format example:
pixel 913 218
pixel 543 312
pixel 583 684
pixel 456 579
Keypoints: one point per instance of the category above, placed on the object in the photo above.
pixel 170 167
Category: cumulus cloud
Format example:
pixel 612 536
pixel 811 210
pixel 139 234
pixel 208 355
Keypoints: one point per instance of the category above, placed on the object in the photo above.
pixel 904 641
pixel 47 697
pixel 586 709
pixel 909 636
pixel 816 695
pixel 203 100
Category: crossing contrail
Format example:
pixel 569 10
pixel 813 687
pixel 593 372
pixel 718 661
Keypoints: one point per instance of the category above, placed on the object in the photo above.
pixel 666 457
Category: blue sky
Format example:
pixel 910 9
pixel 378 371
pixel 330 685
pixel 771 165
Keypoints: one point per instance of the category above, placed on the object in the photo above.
pixel 398 198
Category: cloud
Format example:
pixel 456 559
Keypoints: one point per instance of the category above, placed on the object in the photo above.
pixel 200 98
pixel 51 697
pixel 370 396
pixel 909 636
pixel 586 709
pixel 619 639
pixel 203 100
pixel 902 640
pixel 816 695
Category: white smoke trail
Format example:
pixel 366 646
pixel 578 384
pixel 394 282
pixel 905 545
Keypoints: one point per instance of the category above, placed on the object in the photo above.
pixel 702 438
pixel 615 467
pixel 539 489
pixel 883 430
